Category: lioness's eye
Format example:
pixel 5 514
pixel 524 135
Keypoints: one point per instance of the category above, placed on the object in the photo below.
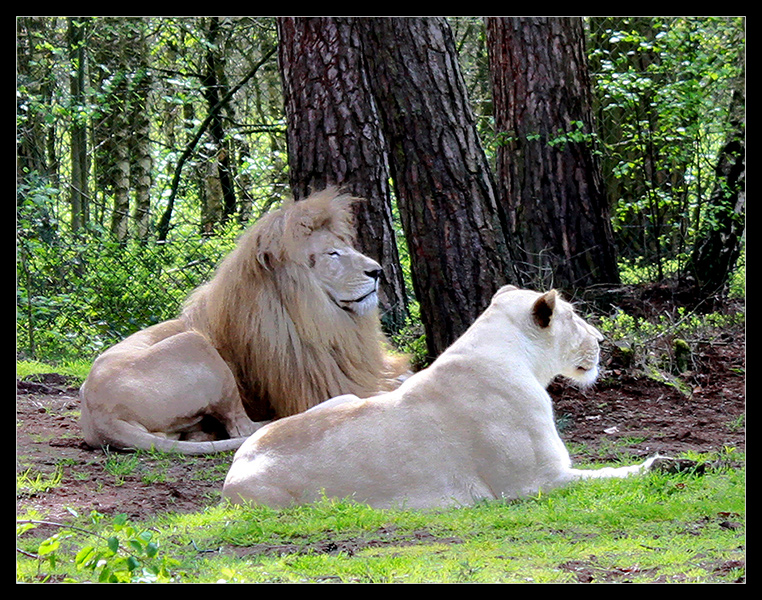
pixel 334 253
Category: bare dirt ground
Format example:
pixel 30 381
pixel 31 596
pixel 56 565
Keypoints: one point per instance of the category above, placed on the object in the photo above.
pixel 706 414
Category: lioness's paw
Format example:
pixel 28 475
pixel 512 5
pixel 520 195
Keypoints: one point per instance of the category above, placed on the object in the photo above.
pixel 666 464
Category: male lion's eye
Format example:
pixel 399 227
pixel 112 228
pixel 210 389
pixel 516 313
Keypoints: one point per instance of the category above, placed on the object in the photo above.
pixel 334 253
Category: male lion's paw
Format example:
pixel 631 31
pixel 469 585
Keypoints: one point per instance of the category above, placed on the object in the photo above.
pixel 245 428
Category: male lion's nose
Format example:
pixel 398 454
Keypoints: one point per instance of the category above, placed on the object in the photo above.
pixel 373 273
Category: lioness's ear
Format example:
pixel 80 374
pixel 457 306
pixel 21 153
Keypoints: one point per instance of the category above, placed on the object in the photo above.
pixel 506 288
pixel 542 310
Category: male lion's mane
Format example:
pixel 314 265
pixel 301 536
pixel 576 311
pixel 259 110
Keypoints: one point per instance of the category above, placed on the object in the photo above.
pixel 288 345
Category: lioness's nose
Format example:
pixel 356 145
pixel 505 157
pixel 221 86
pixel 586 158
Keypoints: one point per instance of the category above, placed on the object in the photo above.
pixel 373 273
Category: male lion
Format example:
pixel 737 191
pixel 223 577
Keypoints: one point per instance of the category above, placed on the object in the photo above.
pixel 288 321
pixel 477 424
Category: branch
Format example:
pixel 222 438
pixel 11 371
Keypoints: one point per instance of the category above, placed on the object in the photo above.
pixel 163 225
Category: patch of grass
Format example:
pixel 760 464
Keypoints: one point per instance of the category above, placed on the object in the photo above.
pixel 120 466
pixel 154 466
pixel 30 483
pixel 76 370
pixel 654 528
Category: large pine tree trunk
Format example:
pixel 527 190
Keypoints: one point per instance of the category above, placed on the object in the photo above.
pixel 548 176
pixel 444 189
pixel 334 137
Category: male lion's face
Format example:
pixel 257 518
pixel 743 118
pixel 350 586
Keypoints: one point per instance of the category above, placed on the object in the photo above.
pixel 349 278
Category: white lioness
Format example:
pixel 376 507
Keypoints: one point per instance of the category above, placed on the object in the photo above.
pixel 289 320
pixel 477 424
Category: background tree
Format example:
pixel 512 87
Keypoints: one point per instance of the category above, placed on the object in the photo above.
pixel 664 83
pixel 664 88
pixel 220 198
pixel 334 137
pixel 720 239
pixel 78 148
pixel 35 81
pixel 547 168
pixel 442 179
pixel 206 157
pixel 626 117
pixel 123 157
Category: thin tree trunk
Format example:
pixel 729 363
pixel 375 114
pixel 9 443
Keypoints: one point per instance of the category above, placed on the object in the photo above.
pixel 549 178
pixel 719 243
pixel 141 159
pixel 213 91
pixel 121 179
pixel 34 73
pixel 164 224
pixel 79 182
pixel 334 137
pixel 444 189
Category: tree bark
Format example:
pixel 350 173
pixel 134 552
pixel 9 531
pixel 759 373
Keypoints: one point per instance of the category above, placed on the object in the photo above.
pixel 142 161
pixel 443 184
pixel 549 178
pixel 334 138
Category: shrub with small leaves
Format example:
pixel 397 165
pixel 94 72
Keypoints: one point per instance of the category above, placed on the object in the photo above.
pixel 125 555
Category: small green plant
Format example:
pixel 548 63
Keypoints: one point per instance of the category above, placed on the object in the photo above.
pixel 127 555
pixel 30 483
pixel 121 465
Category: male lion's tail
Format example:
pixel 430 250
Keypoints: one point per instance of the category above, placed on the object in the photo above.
pixel 125 436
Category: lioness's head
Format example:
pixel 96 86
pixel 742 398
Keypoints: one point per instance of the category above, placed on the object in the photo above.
pixel 317 235
pixel 565 342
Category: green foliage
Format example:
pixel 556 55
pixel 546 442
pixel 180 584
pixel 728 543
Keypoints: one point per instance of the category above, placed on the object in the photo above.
pixel 662 348
pixel 664 88
pixel 664 84
pixel 125 554
pixel 30 484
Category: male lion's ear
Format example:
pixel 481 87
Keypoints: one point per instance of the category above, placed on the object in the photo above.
pixel 265 259
pixel 542 310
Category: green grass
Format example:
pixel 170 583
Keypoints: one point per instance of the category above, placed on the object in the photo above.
pixel 31 483
pixel 77 370
pixel 654 528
